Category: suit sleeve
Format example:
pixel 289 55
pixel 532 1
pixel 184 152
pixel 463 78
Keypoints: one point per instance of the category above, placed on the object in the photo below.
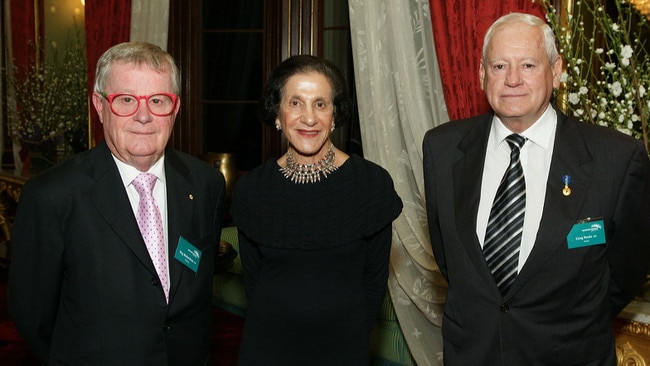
pixel 36 270
pixel 431 205
pixel 629 249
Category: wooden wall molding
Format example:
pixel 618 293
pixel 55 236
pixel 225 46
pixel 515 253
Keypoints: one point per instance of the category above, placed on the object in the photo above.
pixel 184 45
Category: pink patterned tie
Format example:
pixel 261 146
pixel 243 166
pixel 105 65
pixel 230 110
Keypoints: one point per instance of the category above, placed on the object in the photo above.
pixel 151 227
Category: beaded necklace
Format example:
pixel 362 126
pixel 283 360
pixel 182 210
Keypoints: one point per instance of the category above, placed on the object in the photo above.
pixel 309 173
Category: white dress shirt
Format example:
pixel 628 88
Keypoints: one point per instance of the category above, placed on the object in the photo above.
pixel 128 173
pixel 536 162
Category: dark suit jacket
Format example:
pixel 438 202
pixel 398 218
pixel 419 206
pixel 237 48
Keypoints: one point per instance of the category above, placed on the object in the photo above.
pixel 560 307
pixel 82 287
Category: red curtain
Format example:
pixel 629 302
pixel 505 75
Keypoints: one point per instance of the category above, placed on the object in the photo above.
pixel 458 30
pixel 108 22
pixel 23 34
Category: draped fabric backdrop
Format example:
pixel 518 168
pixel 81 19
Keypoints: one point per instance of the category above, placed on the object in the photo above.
pixel 20 28
pixel 458 28
pixel 400 97
pixel 150 21
pixel 107 23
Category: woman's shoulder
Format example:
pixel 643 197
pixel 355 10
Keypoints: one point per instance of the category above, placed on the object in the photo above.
pixel 368 173
pixel 260 174
pixel 371 187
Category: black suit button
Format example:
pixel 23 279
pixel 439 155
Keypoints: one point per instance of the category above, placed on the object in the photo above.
pixel 166 327
pixel 505 308
pixel 155 282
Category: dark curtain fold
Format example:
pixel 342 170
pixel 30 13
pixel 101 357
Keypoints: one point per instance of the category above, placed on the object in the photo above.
pixel 23 34
pixel 108 22
pixel 458 30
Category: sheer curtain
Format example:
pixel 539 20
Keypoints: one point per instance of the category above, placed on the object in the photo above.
pixel 150 21
pixel 400 97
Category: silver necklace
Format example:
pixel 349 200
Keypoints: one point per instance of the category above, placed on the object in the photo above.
pixel 309 173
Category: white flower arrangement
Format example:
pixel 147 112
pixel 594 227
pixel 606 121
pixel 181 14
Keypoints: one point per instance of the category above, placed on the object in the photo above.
pixel 50 103
pixel 607 69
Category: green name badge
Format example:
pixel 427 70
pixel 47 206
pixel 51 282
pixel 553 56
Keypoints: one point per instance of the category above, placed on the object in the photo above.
pixel 586 233
pixel 187 254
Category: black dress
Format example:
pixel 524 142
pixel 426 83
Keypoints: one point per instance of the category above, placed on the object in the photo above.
pixel 315 262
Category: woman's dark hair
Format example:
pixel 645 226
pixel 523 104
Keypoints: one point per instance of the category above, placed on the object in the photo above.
pixel 302 64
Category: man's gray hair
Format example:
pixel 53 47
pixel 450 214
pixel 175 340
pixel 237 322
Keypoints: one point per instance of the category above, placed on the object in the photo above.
pixel 549 36
pixel 138 53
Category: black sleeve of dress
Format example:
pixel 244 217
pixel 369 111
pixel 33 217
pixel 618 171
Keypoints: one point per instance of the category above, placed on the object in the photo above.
pixel 376 271
pixel 251 261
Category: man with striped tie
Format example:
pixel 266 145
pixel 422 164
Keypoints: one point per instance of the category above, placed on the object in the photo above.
pixel 539 223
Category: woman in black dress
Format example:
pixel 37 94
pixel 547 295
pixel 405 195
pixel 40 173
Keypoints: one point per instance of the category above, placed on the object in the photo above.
pixel 314 228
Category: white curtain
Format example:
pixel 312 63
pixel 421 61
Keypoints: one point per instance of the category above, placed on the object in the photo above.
pixel 150 21
pixel 400 97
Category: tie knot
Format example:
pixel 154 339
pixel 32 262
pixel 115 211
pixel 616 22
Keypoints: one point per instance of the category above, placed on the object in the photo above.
pixel 144 183
pixel 515 141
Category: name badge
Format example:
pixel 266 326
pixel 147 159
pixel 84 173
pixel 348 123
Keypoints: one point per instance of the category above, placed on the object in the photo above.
pixel 586 233
pixel 187 254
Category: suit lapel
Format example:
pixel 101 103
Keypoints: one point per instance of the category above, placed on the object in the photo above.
pixel 560 213
pixel 467 177
pixel 112 202
pixel 180 198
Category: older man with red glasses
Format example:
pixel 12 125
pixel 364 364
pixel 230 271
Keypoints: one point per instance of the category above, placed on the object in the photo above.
pixel 114 249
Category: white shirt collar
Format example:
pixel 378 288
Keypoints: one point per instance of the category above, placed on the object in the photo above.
pixel 128 172
pixel 541 132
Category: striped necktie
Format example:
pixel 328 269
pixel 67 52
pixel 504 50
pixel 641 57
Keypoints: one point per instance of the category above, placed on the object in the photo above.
pixel 505 225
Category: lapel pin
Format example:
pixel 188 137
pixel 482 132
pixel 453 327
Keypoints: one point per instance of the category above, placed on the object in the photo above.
pixel 566 179
pixel 190 196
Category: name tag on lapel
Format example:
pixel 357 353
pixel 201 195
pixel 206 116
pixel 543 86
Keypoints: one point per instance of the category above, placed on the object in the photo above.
pixel 187 254
pixel 586 233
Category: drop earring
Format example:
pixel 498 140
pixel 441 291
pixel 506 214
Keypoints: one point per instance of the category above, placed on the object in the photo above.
pixel 333 127
pixel 277 127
